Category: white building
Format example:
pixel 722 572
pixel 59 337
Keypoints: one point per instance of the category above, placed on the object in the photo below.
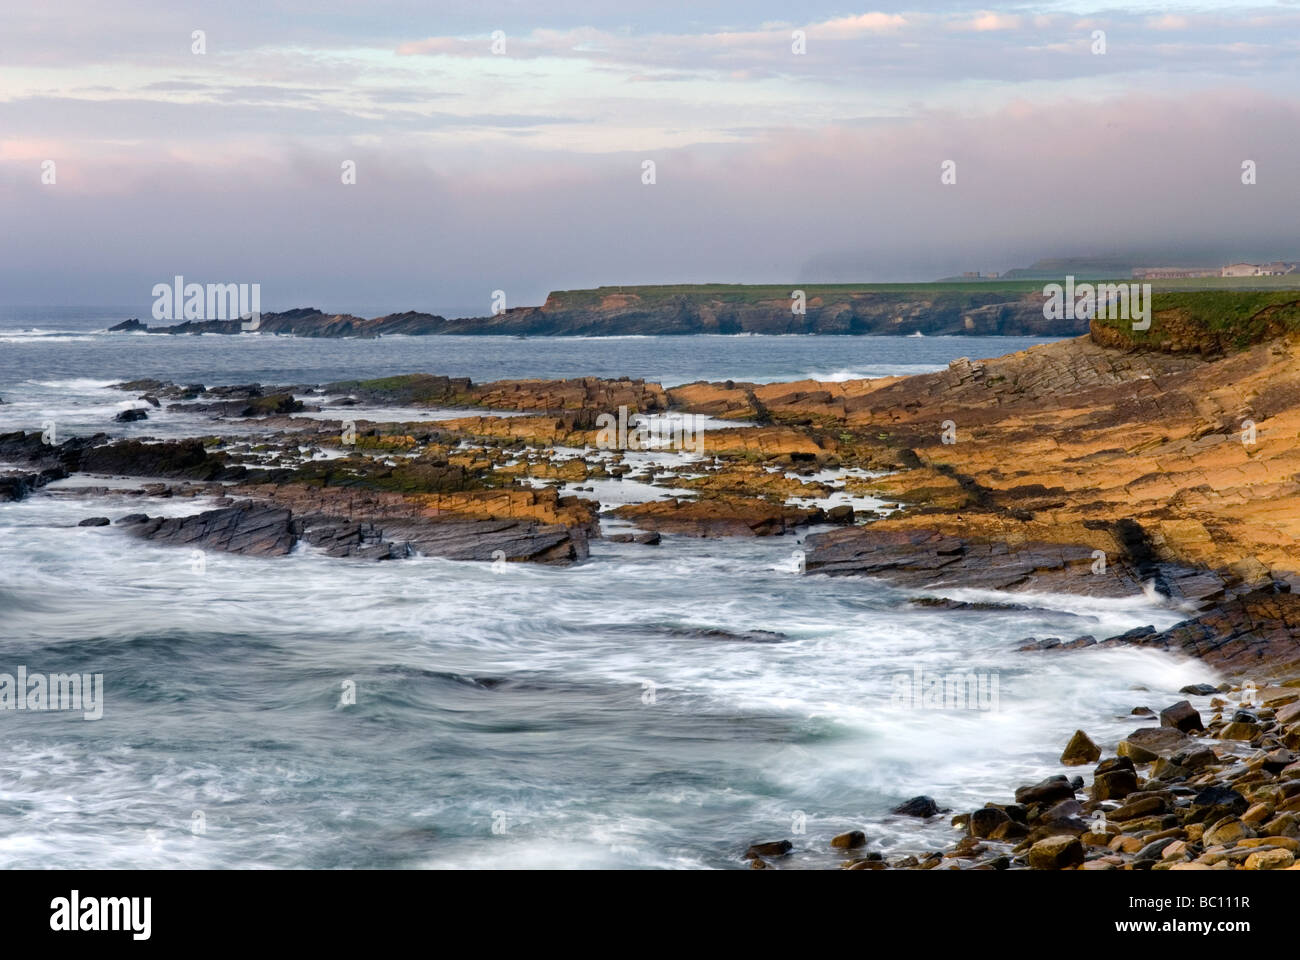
pixel 1241 270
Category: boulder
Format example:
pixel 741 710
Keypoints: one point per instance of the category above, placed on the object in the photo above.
pixel 840 514
pixel 1240 730
pixel 1056 853
pixel 849 841
pixel 1080 750
pixel 984 821
pixel 917 807
pixel 1148 743
pixel 1115 783
pixel 1270 860
pixel 1181 716
pixel 771 848
pixel 1046 791
pixel 1214 803
pixel 1144 807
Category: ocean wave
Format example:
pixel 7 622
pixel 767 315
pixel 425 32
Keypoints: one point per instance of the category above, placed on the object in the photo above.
pixel 76 383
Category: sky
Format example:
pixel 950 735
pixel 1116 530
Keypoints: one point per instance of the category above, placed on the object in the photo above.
pixel 503 145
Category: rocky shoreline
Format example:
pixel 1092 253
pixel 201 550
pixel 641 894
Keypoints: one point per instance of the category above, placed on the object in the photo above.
pixel 1103 466
pixel 1179 793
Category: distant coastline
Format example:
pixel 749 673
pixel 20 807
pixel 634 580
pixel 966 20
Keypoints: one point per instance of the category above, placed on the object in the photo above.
pixel 1010 307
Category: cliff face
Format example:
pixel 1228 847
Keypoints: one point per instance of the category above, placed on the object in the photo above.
pixel 609 311
pixel 935 311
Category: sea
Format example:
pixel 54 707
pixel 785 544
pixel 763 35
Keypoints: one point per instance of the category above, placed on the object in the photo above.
pixel 649 708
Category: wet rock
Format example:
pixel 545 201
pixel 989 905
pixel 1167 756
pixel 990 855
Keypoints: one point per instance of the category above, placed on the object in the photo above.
pixel 1283 825
pixel 649 539
pixel 1199 689
pixel 131 415
pixel 984 821
pixel 1148 743
pixel 1114 782
pixel 94 522
pixel 1257 814
pixel 1080 750
pixel 850 840
pixel 1009 830
pixel 1056 853
pixel 1064 816
pixel 1181 716
pixel 840 514
pixel 718 517
pixel 245 529
pixel 947 603
pixel 1242 633
pixel 771 848
pixel 1227 830
pixel 1194 757
pixel 931 558
pixel 917 807
pixel 1154 850
pixel 1270 860
pixel 1142 807
pixel 1240 730
pixel 1046 791
pixel 967 848
pixel 1214 803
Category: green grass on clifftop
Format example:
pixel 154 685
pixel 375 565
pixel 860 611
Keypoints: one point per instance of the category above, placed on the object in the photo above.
pixel 650 295
pixel 1214 319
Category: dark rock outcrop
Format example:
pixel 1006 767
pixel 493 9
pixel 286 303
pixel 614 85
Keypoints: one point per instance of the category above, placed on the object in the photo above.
pixel 929 558
pixel 258 529
pixel 245 528
pixel 1253 630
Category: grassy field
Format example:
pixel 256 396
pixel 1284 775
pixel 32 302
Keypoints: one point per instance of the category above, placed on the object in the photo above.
pixel 650 295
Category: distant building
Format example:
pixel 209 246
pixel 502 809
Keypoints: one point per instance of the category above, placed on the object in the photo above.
pixel 1276 269
pixel 1241 270
pixel 1173 273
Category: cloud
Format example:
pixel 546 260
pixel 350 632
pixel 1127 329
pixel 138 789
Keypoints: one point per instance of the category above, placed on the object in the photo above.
pixel 863 23
pixel 987 21
pixel 522 171
pixel 849 202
